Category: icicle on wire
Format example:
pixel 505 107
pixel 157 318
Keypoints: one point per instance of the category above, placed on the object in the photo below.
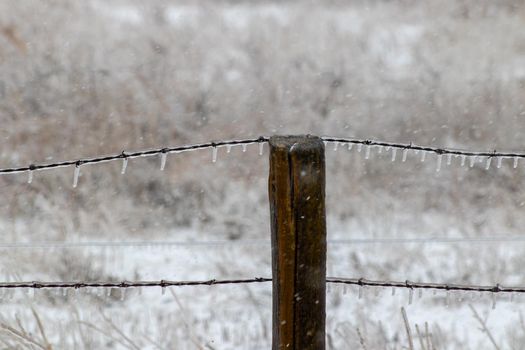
pixel 439 160
pixel 472 160
pixel 405 154
pixel 76 174
pixel 30 176
pixel 214 154
pixel 124 163
pixel 163 159
pixel 489 160
pixel 124 166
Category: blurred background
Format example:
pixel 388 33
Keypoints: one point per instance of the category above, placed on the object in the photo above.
pixel 83 78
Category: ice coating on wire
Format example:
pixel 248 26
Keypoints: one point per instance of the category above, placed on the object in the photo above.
pixel 472 155
pixel 136 154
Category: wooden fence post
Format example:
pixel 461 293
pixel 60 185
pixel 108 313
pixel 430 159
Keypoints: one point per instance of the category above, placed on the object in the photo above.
pixel 297 203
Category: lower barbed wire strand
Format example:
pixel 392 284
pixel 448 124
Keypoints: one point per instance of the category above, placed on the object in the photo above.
pixel 428 285
pixel 128 284
pixel 332 280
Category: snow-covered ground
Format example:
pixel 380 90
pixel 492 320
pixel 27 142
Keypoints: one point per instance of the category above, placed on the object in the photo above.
pixel 233 317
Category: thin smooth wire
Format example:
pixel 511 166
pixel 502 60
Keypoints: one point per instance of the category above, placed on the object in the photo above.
pixel 258 242
pixel 102 244
pixel 411 146
pixel 425 240
pixel 130 155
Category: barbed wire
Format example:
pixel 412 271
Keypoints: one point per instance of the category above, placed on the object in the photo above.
pixel 362 282
pixel 127 284
pixel 124 155
pixel 262 139
pixel 436 150
pixel 497 288
pixel 486 156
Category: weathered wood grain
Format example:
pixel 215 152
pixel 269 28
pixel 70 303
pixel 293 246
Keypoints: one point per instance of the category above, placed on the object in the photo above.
pixel 297 205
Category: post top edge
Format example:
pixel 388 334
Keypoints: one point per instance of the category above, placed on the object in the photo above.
pixel 287 141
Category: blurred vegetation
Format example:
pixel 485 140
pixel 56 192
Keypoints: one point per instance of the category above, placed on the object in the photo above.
pixel 88 77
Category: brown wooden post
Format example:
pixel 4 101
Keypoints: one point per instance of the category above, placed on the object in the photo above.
pixel 297 204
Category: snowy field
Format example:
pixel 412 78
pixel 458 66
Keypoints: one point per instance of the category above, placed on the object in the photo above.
pixel 233 317
pixel 83 78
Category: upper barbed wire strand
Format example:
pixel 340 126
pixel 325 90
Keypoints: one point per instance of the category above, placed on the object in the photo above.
pixel 212 144
pixel 411 146
pixel 135 154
